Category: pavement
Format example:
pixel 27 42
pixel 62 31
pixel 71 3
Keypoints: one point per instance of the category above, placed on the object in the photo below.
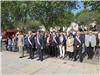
pixel 13 65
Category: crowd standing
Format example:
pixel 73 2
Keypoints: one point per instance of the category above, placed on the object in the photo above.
pixel 56 44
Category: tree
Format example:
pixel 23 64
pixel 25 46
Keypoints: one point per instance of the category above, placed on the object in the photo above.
pixel 51 13
pixel 84 16
pixel 13 12
pixel 48 13
pixel 90 13
pixel 94 5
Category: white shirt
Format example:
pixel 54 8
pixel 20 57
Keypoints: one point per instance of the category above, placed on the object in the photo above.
pixel 29 40
pixel 48 39
pixel 61 38
pixel 90 38
pixel 54 39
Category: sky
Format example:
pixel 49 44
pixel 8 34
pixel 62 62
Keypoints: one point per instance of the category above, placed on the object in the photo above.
pixel 79 8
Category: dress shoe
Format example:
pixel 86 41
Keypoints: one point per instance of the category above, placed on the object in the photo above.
pixel 63 57
pixel 29 58
pixel 38 59
pixel 32 58
pixel 41 60
pixel 75 60
pixel 21 56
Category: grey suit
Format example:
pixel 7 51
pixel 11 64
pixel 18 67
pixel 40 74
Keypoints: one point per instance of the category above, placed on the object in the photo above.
pixel 90 43
pixel 93 40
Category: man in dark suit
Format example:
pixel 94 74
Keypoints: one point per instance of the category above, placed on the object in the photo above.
pixel 39 45
pixel 78 42
pixel 30 43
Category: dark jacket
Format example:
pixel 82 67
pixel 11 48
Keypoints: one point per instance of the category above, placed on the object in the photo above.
pixel 63 42
pixel 54 43
pixel 41 41
pixel 31 40
pixel 76 42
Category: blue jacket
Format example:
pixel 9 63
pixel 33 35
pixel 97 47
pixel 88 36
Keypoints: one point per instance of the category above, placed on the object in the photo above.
pixel 31 39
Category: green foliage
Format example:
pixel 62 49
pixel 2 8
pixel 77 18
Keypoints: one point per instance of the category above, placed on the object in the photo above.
pixel 47 13
pixel 84 16
pixel 90 13
pixel 81 12
pixel 96 16
pixel 30 14
pixel 95 5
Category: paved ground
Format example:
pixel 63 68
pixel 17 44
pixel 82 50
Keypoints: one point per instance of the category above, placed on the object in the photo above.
pixel 13 65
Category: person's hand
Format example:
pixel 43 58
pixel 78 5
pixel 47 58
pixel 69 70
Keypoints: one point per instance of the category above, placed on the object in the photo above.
pixel 68 46
pixel 41 47
pixel 77 45
pixel 36 47
pixel 32 46
pixel 47 45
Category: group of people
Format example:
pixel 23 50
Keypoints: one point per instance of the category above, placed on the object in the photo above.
pixel 57 44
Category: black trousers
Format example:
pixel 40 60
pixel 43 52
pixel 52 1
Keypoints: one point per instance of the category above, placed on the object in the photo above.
pixel 90 52
pixel 40 53
pixel 46 50
pixel 49 50
pixel 31 51
pixel 78 54
pixel 70 54
pixel 54 50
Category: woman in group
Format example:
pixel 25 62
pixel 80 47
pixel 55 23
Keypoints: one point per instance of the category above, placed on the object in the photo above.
pixel 48 44
pixel 20 44
pixel 70 46
pixel 62 45
pixel 57 46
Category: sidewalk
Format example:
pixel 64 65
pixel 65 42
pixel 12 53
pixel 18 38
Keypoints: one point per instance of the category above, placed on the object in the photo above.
pixel 13 65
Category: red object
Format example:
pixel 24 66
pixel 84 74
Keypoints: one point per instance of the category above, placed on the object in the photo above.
pixel 9 33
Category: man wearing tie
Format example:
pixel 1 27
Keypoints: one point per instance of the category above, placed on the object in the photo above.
pixel 39 45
